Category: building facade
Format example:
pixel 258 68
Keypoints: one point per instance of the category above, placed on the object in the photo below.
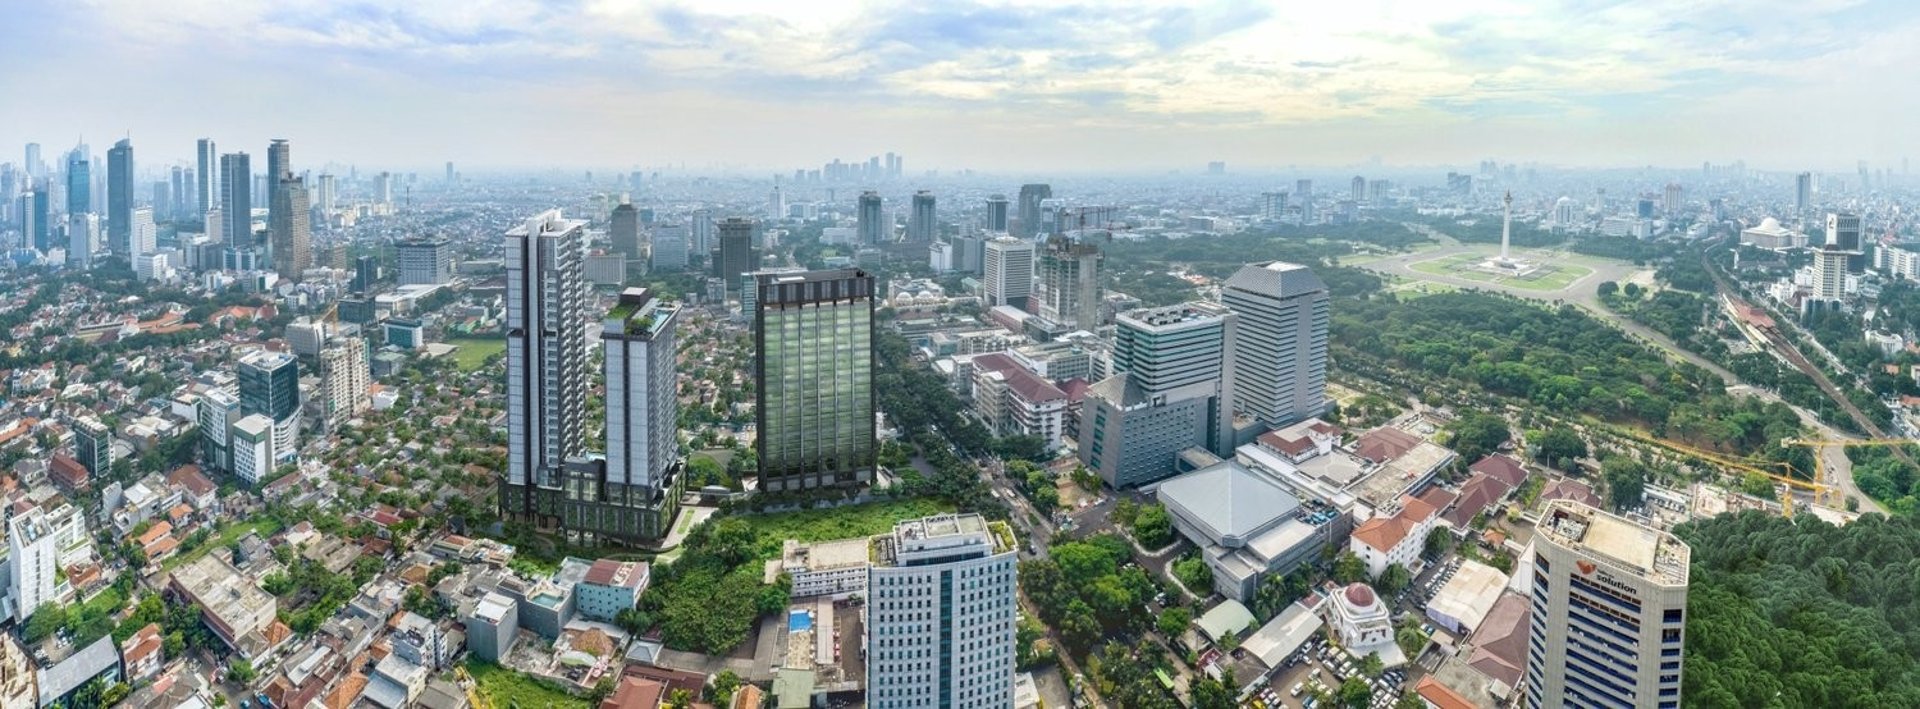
pixel 120 198
pixel 289 228
pixel 1008 278
pixel 941 607
pixel 270 387
pixel 424 261
pixel 1068 283
pixel 814 379
pixel 868 220
pixel 736 254
pixel 922 221
pixel 1279 357
pixel 344 377
pixel 547 330
pixel 631 494
pixel 1608 626
pixel 236 199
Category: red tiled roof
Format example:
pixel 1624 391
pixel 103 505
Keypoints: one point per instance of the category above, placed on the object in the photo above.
pixel 155 532
pixel 1289 446
pixel 1030 387
pixel 1500 643
pixel 190 477
pixel 67 470
pixel 1075 389
pixel 994 362
pixel 607 572
pixel 1476 495
pixel 142 643
pixel 1570 490
pixel 1504 467
pixel 1440 696
pixel 1383 444
pixel 635 693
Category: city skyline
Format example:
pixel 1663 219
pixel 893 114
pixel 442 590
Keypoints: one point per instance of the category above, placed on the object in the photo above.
pixel 1073 88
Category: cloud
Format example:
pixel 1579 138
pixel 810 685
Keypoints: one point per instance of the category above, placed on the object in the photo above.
pixel 1136 67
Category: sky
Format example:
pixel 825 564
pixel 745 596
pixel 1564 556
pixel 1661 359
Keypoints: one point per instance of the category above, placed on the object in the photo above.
pixel 995 86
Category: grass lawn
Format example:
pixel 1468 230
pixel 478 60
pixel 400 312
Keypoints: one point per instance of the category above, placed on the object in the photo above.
pixel 1548 277
pixel 837 523
pixel 504 688
pixel 229 533
pixel 474 351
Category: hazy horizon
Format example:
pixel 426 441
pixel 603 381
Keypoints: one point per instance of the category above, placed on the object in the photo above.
pixel 756 87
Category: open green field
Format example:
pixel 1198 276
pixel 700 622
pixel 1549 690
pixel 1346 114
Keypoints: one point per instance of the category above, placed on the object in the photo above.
pixel 1548 277
pixel 228 533
pixel 474 351
pixel 502 687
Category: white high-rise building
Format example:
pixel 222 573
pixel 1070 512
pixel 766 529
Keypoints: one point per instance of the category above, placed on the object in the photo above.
pixel 639 337
pixel 1280 353
pixel 145 236
pixel 940 615
pixel 1830 274
pixel 547 329
pixel 253 448
pixel 1609 612
pixel 1009 271
pixel 219 410
pixel 34 557
pixel 344 378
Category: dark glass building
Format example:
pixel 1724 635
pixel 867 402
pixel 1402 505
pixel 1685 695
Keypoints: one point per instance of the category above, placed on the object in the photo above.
pixel 814 377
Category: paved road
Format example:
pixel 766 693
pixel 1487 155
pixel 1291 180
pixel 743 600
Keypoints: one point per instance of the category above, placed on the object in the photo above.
pixel 1585 293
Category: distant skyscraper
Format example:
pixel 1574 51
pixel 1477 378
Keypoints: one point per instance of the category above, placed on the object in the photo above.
pixel 79 184
pixel 236 199
pixel 921 223
pixel 1169 392
pixel 1843 234
pixel 1670 198
pixel 547 329
pixel 1008 271
pixel 424 261
pixel 180 190
pixel 1609 612
pixel 1273 205
pixel 120 198
pixel 279 169
pixel 34 166
pixel 383 188
pixel 1377 191
pixel 344 377
pixel 1030 196
pixel 776 204
pixel 814 379
pixel 668 247
pixel 270 387
pixel 207 180
pixel 872 228
pixel 1359 188
pixel 1068 282
pixel 1802 193
pixel 144 236
pixel 290 229
pixel 449 172
pixel 1303 194
pixel 37 206
pixel 735 255
pixel 1280 354
pixel 80 241
pixel 623 229
pixel 941 615
pixel 366 272
pixel 327 193
pixel 996 219
pixel 632 494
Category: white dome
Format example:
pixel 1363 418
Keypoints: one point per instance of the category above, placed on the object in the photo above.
pixel 1770 224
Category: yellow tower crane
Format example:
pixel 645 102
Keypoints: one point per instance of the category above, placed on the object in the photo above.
pixel 1816 445
pixel 1816 489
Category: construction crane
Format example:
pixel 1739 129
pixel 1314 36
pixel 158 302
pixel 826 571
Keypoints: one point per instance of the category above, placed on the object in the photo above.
pixel 1819 491
pixel 1815 445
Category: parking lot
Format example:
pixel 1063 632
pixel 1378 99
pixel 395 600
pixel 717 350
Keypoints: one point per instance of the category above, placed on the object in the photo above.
pixel 1317 665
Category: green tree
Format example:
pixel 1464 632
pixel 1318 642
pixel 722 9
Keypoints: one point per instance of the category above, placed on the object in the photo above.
pixel 1475 434
pixel 1394 579
pixel 241 671
pixel 1348 568
pixel 1210 693
pixel 1626 481
pixel 724 685
pixel 1371 665
pixel 1355 693
pixel 1558 443
pixel 1194 574
pixel 1173 621
pixel 1153 527
pixel 47 618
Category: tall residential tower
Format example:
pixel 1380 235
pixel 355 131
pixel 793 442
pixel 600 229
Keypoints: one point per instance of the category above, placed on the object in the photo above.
pixel 1280 354
pixel 814 379
pixel 547 328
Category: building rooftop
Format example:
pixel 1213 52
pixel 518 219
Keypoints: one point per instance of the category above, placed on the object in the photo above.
pixel 1470 595
pixel 1172 317
pixel 1234 503
pixel 825 556
pixel 226 594
pixel 940 537
pixel 1636 549
pixel 1277 278
pixel 56 681
pixel 625 574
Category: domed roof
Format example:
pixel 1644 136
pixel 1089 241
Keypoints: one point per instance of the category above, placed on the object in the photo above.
pixel 1770 224
pixel 1359 595
pixel 1563 200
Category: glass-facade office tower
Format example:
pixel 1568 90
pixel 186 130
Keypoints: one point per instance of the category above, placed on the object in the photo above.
pixel 735 255
pixel 814 376
pixel 547 328
pixel 1169 391
pixel 1008 266
pixel 270 387
pixel 941 606
pixel 1608 626
pixel 623 229
pixel 921 222
pixel 631 495
pixel 79 184
pixel 120 198
pixel 207 183
pixel 236 199
pixel 996 219
pixel 872 228
pixel 289 229
pixel 1280 355
pixel 1030 197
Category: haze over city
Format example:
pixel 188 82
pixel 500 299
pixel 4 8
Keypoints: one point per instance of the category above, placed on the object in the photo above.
pixel 989 86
